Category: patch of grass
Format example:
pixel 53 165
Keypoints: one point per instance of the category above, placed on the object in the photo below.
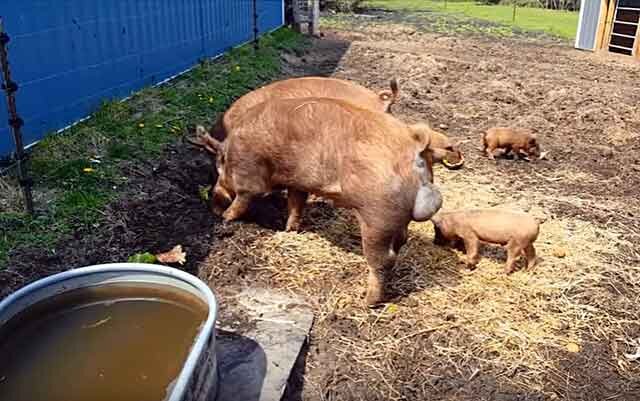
pixel 80 167
pixel 558 23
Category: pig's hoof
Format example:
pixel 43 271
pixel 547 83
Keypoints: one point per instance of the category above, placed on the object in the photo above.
pixel 293 227
pixel 374 300
pixel 217 210
pixel 228 216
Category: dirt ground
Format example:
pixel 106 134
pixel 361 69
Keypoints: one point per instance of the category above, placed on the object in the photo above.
pixel 560 331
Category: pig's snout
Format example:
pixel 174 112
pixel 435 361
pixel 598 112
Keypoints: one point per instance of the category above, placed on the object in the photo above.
pixel 536 152
pixel 428 202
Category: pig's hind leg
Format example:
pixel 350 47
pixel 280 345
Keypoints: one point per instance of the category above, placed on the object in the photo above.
pixel 530 255
pixel 514 250
pixel 376 244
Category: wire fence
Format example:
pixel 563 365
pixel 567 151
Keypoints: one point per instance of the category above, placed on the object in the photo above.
pixel 67 57
pixel 60 60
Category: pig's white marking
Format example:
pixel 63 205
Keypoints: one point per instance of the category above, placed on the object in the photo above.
pixel 428 199
pixel 428 202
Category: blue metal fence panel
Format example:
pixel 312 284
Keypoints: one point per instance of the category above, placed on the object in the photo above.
pixel 68 56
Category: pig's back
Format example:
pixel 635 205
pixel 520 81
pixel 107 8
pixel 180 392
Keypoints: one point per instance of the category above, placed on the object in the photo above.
pixel 330 144
pixel 307 87
pixel 500 226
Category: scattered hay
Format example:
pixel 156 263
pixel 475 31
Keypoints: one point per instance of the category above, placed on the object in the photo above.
pixel 10 196
pixel 481 320
pixel 618 135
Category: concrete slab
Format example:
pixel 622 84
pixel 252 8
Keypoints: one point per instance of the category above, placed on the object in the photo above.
pixel 260 336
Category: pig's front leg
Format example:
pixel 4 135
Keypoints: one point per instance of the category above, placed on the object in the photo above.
pixel 489 150
pixel 238 207
pixel 296 201
pixel 221 199
pixel 472 246
pixel 522 154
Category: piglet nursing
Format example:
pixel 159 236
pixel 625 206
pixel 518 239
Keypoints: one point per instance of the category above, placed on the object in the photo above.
pixel 517 231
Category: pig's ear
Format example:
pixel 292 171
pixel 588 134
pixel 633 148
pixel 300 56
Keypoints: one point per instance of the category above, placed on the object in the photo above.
pixel 203 139
pixel 421 133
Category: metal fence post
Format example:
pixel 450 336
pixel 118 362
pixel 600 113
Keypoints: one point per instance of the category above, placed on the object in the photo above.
pixel 256 30
pixel 15 121
pixel 297 16
pixel 314 18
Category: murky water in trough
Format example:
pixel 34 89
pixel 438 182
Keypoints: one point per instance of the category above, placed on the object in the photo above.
pixel 116 342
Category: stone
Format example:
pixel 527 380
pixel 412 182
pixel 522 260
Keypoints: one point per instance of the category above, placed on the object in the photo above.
pixel 256 359
pixel 559 252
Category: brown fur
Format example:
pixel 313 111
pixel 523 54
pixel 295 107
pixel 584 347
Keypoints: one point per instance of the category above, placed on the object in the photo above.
pixel 517 231
pixel 363 160
pixel 441 146
pixel 521 142
pixel 296 88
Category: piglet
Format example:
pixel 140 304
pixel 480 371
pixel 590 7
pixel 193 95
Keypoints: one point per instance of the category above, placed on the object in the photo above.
pixel 519 141
pixel 517 231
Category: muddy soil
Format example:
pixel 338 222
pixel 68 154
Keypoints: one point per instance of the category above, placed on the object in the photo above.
pixel 584 108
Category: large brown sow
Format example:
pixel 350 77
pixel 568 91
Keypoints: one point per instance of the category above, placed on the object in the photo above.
pixel 362 160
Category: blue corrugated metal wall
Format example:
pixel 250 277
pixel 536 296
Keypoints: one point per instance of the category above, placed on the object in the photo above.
pixel 70 55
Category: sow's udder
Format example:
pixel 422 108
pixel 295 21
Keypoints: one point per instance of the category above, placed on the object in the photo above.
pixel 428 202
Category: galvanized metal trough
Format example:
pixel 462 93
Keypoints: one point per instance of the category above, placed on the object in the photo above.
pixel 198 378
